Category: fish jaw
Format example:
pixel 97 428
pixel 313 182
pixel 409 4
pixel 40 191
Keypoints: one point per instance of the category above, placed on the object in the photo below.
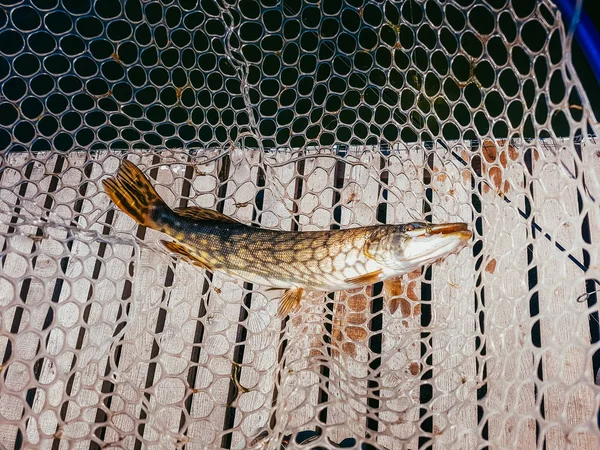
pixel 432 242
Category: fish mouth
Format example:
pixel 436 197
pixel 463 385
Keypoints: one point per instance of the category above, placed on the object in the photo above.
pixel 431 242
pixel 458 229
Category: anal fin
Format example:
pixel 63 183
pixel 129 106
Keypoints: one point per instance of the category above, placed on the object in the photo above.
pixel 182 250
pixel 366 279
pixel 290 302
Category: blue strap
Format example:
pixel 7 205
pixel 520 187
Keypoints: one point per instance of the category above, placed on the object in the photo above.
pixel 586 34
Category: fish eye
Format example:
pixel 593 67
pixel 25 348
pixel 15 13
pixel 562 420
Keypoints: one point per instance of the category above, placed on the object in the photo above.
pixel 413 226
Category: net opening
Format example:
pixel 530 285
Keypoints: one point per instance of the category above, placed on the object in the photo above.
pixel 297 116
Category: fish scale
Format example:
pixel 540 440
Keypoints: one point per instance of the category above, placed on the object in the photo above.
pixel 312 260
pixel 330 260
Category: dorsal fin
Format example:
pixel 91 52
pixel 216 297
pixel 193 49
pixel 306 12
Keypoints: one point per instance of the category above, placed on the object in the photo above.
pixel 182 250
pixel 198 213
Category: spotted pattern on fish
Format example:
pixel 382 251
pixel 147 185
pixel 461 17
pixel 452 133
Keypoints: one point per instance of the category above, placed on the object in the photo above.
pixel 315 260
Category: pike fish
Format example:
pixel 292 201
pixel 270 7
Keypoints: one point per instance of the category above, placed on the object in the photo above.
pixel 330 260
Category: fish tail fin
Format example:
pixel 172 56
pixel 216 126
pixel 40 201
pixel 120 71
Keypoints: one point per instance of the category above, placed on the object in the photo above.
pixel 132 192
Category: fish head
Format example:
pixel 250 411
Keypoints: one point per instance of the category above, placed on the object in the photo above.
pixel 408 246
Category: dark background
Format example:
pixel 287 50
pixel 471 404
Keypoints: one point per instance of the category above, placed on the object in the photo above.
pixel 75 74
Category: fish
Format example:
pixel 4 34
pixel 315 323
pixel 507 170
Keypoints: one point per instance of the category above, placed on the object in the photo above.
pixel 294 261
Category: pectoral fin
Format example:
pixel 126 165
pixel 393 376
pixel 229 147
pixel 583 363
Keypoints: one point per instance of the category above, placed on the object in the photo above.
pixel 366 279
pixel 182 250
pixel 290 302
pixel 393 290
pixel 195 212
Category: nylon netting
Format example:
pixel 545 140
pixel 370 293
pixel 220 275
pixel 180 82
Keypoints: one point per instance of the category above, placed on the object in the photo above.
pixel 297 116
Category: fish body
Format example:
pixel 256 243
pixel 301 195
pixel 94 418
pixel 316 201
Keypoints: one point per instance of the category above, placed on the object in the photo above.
pixel 317 260
pixel 313 260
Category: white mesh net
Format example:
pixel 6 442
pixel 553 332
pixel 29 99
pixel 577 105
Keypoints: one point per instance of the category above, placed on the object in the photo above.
pixel 297 115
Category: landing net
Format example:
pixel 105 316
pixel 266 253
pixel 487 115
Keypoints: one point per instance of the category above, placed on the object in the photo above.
pixel 297 116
